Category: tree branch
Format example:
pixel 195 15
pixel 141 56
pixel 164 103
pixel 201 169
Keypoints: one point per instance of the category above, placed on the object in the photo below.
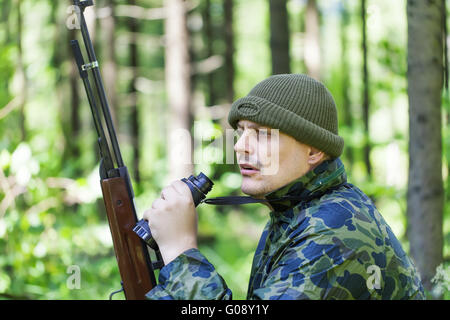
pixel 138 12
pixel 13 104
pixel 10 190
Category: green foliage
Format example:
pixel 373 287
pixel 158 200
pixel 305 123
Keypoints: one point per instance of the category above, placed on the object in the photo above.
pixel 51 212
pixel 441 282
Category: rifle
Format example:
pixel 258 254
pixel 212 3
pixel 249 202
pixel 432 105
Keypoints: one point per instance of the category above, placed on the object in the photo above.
pixel 135 266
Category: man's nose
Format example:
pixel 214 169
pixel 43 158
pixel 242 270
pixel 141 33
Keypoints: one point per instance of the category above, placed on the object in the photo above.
pixel 244 144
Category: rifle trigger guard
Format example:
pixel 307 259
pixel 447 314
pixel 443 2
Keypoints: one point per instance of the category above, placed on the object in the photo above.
pixel 117 291
pixel 89 66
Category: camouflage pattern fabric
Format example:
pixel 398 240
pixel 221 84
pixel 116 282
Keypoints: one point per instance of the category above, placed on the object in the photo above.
pixel 328 243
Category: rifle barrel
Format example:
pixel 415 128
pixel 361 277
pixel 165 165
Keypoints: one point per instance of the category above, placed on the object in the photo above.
pixel 103 145
pixel 100 88
pixel 135 265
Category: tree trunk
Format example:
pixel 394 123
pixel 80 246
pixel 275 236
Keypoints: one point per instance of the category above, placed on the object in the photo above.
pixel 109 67
pixel 365 75
pixel 229 51
pixel 209 37
pixel 177 68
pixel 22 76
pixel 66 103
pixel 75 127
pixel 446 85
pixel 6 10
pixel 425 185
pixel 279 37
pixel 346 103
pixel 312 54
pixel 133 27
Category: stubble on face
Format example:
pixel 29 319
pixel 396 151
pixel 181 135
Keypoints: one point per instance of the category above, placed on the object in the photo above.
pixel 291 158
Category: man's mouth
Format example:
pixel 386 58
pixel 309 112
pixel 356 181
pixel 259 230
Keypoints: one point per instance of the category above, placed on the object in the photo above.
pixel 248 169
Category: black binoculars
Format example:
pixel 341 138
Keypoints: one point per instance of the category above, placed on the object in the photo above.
pixel 199 186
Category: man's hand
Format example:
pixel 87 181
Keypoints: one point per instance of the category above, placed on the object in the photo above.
pixel 173 221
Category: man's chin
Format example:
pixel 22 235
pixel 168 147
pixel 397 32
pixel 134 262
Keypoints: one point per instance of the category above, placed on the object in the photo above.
pixel 253 191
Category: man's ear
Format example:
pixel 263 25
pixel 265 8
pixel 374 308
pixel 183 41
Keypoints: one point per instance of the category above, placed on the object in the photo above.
pixel 315 156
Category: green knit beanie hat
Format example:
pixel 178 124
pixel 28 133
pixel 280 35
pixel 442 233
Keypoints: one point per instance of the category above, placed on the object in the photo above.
pixel 297 105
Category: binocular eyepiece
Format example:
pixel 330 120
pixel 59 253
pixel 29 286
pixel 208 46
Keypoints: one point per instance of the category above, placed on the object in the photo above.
pixel 199 186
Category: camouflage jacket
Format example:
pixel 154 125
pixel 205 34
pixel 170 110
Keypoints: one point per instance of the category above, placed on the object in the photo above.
pixel 332 243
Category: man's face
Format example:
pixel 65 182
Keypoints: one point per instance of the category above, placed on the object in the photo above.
pixel 277 158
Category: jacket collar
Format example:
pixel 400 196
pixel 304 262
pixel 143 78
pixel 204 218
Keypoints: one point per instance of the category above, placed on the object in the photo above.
pixel 328 175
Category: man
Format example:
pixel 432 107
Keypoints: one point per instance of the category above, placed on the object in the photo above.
pixel 324 240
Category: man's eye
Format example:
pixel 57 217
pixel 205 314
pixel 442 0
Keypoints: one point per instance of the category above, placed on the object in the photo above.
pixel 238 132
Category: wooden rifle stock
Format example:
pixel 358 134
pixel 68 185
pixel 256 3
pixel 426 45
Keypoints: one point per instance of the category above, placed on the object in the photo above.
pixel 131 252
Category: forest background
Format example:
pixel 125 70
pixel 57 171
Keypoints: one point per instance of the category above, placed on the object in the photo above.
pixel 180 64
